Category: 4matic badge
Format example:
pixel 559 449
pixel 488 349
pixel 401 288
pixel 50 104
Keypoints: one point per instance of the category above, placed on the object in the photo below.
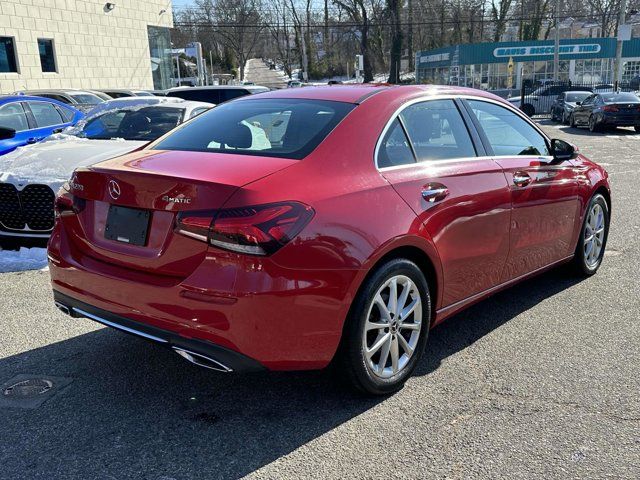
pixel 170 199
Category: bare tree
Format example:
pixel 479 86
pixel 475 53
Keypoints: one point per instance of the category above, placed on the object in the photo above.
pixel 358 12
pixel 395 12
pixel 499 13
pixel 239 25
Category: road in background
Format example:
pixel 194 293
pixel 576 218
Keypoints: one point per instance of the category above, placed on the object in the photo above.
pixel 540 381
pixel 259 73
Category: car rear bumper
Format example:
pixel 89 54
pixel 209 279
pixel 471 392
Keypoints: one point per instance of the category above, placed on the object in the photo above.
pixel 280 318
pixel 199 352
pixel 621 121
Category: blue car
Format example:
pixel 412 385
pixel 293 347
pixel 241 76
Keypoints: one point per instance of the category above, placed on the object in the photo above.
pixel 25 120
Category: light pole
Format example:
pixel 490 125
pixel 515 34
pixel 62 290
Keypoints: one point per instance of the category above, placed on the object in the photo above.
pixel 556 48
pixel 617 72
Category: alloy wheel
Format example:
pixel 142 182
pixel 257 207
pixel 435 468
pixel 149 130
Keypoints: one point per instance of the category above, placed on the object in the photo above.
pixel 392 328
pixel 594 230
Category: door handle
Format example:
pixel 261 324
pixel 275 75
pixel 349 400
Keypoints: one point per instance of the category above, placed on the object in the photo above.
pixel 32 140
pixel 434 192
pixel 521 179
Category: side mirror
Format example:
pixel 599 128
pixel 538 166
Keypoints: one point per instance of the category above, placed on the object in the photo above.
pixel 7 133
pixel 562 150
pixel 578 103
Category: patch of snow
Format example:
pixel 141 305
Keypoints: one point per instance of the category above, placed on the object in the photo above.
pixel 23 259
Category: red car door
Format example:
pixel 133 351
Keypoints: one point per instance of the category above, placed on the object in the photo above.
pixel 462 199
pixel 544 192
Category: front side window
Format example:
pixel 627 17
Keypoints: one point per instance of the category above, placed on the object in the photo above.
pixel 394 149
pixel 437 131
pixel 287 128
pixel 13 116
pixel 508 133
pixel 46 114
pixel 47 55
pixel 8 61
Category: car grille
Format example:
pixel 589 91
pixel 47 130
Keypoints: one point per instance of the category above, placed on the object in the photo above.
pixel 28 209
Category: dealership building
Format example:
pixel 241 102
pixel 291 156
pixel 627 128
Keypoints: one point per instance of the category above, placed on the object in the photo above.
pixel 84 44
pixel 503 65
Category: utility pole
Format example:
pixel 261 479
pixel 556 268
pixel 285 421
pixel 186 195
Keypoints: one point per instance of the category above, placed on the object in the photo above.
pixel 556 49
pixel 622 14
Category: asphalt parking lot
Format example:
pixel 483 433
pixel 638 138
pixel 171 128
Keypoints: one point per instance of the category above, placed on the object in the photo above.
pixel 539 381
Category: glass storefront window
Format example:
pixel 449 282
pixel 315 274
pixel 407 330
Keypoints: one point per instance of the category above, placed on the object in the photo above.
pixel 160 51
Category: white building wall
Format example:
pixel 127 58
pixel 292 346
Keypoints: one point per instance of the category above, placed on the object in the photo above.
pixel 94 48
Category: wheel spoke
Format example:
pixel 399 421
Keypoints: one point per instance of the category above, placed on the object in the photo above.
pixel 409 326
pixel 405 345
pixel 406 289
pixel 384 310
pixel 395 354
pixel 392 306
pixel 375 325
pixel 408 310
pixel 380 341
pixel 384 353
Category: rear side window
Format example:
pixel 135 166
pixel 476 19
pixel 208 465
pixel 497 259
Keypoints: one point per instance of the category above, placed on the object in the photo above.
pixel 437 131
pixel 508 133
pixel 394 149
pixel 287 128
pixel 211 95
pixel 66 113
pixel 226 95
pixel 12 115
pixel 46 114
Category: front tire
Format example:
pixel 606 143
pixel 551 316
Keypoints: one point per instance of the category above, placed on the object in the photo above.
pixel 387 329
pixel 593 236
pixel 637 128
pixel 593 124
pixel 572 121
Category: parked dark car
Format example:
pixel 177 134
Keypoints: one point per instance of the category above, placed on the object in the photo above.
pixel 215 94
pixel 540 100
pixel 607 110
pixel 122 92
pixel 82 100
pixel 565 103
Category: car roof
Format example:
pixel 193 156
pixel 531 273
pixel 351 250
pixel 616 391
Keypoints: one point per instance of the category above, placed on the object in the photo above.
pixel 22 98
pixel 358 93
pixel 56 90
pixel 219 87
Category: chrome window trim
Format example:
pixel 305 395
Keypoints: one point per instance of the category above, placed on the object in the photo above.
pixel 400 109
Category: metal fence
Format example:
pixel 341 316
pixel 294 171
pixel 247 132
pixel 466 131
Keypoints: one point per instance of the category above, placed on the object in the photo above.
pixel 541 101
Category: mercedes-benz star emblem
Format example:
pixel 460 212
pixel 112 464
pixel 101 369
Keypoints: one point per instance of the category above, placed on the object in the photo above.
pixel 114 189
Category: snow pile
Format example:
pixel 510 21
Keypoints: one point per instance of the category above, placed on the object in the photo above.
pixel 23 259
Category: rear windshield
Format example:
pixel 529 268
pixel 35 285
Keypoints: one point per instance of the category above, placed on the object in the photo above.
pixel 577 97
pixel 620 97
pixel 146 123
pixel 87 98
pixel 288 128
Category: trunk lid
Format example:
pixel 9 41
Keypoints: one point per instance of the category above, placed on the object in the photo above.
pixel 161 183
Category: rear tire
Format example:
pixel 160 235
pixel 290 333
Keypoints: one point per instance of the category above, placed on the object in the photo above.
pixel 593 237
pixel 637 128
pixel 528 110
pixel 384 339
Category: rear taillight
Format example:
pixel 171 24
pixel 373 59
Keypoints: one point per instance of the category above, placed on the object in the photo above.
pixel 610 108
pixel 256 230
pixel 67 204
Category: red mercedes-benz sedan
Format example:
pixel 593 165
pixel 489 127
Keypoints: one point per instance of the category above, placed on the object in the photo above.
pixel 291 229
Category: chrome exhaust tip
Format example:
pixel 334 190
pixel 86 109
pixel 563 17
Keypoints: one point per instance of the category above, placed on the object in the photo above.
pixel 201 360
pixel 63 308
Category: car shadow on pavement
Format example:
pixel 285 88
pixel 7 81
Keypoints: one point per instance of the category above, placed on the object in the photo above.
pixel 584 131
pixel 136 410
